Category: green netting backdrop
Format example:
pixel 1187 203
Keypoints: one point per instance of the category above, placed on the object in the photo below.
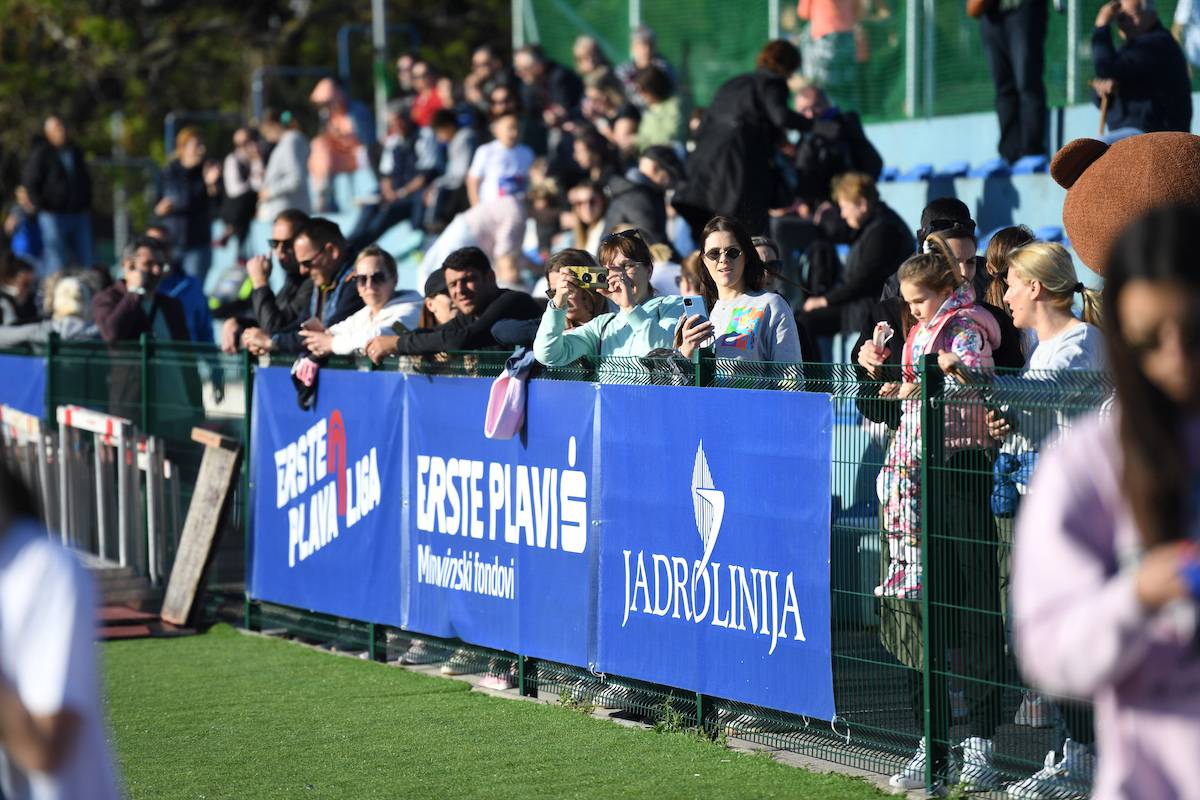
pixel 708 41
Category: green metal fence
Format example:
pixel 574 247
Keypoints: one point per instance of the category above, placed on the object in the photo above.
pixel 939 666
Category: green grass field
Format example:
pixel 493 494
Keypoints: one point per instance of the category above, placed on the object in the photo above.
pixel 223 715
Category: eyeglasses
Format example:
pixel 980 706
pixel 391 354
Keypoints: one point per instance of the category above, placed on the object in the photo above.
pixel 774 265
pixel 309 262
pixel 730 253
pixel 629 267
pixel 375 278
pixel 276 244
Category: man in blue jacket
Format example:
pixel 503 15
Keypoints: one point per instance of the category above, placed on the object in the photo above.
pixel 1146 81
pixel 321 249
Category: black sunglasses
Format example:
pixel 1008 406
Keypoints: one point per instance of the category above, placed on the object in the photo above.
pixel 631 233
pixel 377 278
pixel 730 253
pixel 286 244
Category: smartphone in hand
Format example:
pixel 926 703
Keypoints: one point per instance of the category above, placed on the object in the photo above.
pixel 312 324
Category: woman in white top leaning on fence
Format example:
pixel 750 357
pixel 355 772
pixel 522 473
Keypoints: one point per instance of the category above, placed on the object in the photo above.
pixel 375 276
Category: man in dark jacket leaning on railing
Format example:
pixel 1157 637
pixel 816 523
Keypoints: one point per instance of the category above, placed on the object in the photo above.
pixel 480 303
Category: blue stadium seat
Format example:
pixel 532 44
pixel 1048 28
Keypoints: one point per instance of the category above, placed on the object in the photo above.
pixel 1049 233
pixel 889 174
pixel 993 167
pixel 1028 165
pixel 955 169
pixel 920 172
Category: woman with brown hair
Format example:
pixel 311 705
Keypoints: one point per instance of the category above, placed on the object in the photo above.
pixel 1003 242
pixel 731 172
pixel 1106 575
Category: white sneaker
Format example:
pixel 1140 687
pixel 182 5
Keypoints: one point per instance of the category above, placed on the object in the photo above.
pixel 912 775
pixel 978 772
pixel 497 682
pixel 458 664
pixel 418 652
pixel 1036 711
pixel 1069 779
pixel 894 577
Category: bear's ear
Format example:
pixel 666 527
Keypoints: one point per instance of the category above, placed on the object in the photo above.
pixel 1075 157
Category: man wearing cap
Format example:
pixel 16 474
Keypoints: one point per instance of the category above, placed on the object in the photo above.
pixel 639 197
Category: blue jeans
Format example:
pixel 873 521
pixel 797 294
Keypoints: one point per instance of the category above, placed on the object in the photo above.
pixel 62 232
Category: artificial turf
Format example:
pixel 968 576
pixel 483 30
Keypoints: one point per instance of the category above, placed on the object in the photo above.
pixel 225 715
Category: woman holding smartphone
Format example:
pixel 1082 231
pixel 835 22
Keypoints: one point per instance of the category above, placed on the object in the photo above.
pixel 1106 574
pixel 745 322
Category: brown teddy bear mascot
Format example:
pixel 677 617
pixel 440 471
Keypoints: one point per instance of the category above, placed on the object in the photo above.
pixel 1109 186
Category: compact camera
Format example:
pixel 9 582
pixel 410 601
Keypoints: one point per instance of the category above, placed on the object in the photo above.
pixel 593 278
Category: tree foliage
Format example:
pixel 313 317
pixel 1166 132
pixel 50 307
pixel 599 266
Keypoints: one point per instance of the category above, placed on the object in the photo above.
pixel 85 59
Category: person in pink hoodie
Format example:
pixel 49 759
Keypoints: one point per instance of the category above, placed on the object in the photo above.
pixel 1106 573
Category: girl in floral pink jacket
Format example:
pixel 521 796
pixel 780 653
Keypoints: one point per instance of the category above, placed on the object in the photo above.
pixel 948 321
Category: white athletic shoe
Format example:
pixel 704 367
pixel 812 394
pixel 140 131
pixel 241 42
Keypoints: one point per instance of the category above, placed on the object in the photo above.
pixel 978 772
pixel 912 775
pixel 1069 779
pixel 458 664
pixel 418 652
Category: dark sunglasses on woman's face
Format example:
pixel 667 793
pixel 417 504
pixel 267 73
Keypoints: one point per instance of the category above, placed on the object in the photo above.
pixel 730 253
pixel 376 278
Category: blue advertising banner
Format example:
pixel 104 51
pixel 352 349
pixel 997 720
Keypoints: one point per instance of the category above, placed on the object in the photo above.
pixel 714 562
pixel 327 494
pixel 23 383
pixel 500 546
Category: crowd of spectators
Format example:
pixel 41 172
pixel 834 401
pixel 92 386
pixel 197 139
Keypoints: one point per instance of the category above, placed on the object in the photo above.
pixel 574 211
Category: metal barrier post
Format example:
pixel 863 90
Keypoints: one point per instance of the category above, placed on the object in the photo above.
pixel 102 500
pixel 124 456
pixel 933 616
pixel 64 477
pixel 154 509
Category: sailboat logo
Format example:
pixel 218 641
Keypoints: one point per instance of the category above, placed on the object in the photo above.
pixel 709 505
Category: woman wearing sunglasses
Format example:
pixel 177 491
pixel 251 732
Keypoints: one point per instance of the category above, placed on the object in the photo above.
pixel 1106 573
pixel 643 321
pixel 748 323
pixel 375 276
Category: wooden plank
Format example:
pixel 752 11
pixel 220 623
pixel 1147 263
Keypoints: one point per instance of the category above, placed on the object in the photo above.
pixel 217 471
pixel 213 439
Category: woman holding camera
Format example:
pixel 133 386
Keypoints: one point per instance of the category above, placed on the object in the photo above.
pixel 1106 572
pixel 643 322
